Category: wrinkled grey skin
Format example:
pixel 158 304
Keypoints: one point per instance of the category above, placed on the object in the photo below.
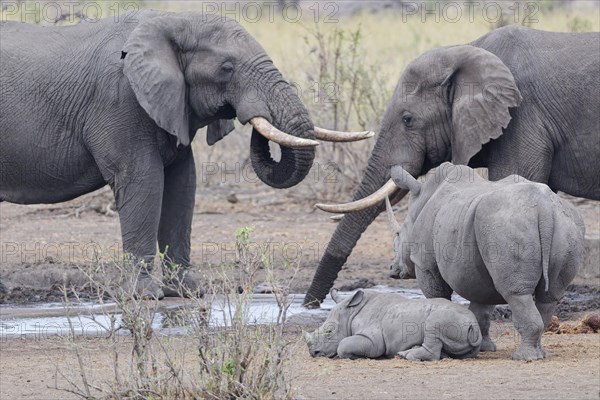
pixel 118 103
pixel 493 243
pixel 372 324
pixel 544 126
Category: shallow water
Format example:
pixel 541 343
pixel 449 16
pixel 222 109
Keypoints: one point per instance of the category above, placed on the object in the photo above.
pixel 172 317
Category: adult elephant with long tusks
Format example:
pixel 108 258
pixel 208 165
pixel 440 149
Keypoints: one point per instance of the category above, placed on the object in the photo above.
pixel 118 102
pixel 517 101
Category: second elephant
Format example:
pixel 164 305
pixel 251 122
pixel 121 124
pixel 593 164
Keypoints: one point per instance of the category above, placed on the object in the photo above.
pixel 516 101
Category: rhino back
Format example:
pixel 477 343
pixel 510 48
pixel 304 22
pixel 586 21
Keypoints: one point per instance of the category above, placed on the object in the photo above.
pixel 508 223
pixel 446 229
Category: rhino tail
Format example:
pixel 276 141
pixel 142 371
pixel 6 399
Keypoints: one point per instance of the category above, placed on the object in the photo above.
pixel 546 231
pixel 474 336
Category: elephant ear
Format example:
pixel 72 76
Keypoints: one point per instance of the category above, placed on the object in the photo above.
pixel 218 130
pixel 152 66
pixel 481 89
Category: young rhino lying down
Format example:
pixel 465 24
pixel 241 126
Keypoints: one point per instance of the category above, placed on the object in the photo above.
pixel 372 324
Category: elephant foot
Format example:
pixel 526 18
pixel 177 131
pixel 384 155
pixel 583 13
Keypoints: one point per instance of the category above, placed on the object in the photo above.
pixel 529 353
pixel 183 285
pixel 487 344
pixel 146 288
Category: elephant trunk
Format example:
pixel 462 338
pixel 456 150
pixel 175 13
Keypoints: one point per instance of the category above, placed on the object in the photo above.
pixel 291 169
pixel 350 228
pixel 290 116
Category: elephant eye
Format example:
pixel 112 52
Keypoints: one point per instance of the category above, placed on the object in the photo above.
pixel 227 67
pixel 407 119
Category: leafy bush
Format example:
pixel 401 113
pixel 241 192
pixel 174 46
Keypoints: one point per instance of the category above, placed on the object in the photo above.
pixel 231 359
pixel 348 92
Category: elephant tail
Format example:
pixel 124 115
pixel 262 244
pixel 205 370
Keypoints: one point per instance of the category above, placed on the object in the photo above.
pixel 546 230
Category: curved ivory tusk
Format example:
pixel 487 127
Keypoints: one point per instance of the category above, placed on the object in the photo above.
pixel 275 135
pixel 336 136
pixel 386 190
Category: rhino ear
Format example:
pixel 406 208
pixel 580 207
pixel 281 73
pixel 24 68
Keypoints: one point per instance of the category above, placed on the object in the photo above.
pixel 218 130
pixel 334 295
pixel 356 299
pixel 404 180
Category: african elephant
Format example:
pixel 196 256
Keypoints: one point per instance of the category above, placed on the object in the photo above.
pixel 509 241
pixel 517 101
pixel 118 102
pixel 373 324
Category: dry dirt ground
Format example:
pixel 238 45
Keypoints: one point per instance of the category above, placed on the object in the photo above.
pixel 42 247
pixel 572 371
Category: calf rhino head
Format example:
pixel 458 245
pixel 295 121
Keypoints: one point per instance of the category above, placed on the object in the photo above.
pixel 402 267
pixel 324 341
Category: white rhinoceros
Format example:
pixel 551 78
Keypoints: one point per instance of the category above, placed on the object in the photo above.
pixel 511 241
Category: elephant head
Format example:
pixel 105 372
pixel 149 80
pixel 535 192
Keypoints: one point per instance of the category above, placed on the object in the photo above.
pixel 192 70
pixel 448 103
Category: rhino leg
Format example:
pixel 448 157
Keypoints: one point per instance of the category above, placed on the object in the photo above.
pixel 430 350
pixel 482 313
pixel 431 282
pixel 530 325
pixel 546 310
pixel 358 346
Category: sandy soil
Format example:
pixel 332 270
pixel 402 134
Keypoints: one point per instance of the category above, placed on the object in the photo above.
pixel 42 247
pixel 571 371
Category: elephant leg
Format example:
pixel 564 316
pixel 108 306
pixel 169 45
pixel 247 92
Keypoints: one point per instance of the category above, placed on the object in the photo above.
pixel 482 313
pixel 358 346
pixel 530 326
pixel 174 232
pixel 138 196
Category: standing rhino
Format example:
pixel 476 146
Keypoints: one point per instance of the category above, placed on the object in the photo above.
pixel 372 324
pixel 492 243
